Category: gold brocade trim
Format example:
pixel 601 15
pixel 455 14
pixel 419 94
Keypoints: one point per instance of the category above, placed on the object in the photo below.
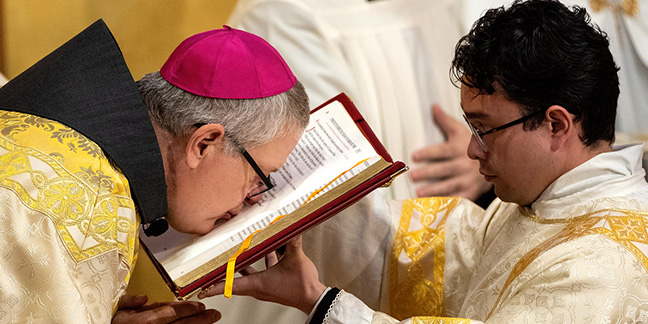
pixel 526 212
pixel 15 124
pixel 628 7
pixel 439 320
pixel 415 294
pixel 626 227
pixel 64 175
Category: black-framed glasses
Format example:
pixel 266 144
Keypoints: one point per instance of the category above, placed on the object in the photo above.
pixel 264 183
pixel 478 135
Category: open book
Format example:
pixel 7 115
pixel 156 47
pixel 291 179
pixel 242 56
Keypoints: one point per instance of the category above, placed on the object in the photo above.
pixel 337 161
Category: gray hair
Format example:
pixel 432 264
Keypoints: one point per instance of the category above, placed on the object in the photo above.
pixel 248 122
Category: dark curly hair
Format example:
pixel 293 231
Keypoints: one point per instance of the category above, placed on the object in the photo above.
pixel 543 53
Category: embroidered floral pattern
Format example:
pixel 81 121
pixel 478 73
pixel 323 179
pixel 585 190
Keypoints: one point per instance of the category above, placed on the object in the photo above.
pixel 91 176
pixel 16 123
pixel 632 228
pixel 381 318
pixel 83 195
pixel 65 198
pixel 439 320
pixel 412 291
pixel 76 141
pixel 626 227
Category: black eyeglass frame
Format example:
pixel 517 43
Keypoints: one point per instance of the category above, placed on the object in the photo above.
pixel 267 180
pixel 479 135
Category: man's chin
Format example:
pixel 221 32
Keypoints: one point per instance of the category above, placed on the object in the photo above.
pixel 509 197
pixel 503 195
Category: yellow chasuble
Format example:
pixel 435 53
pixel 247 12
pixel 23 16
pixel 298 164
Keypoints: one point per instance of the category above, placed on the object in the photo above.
pixel 68 225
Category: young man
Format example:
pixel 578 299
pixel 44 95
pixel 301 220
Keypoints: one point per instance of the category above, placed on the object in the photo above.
pixel 85 160
pixel 566 240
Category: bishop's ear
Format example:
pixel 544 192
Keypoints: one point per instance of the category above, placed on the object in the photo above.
pixel 206 139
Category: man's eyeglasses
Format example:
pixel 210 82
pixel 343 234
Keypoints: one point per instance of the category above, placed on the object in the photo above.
pixel 478 135
pixel 264 183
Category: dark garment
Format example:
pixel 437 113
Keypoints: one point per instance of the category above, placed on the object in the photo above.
pixel 86 85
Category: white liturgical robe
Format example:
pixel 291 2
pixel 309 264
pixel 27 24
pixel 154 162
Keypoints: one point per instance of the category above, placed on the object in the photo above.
pixel 578 254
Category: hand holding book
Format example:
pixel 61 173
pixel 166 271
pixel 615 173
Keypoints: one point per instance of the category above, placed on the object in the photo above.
pixel 293 281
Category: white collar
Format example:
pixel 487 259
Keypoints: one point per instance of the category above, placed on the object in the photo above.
pixel 601 182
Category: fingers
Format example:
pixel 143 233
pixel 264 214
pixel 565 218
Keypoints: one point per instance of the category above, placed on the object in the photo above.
pixel 188 312
pixel 437 152
pixel 457 177
pixel 450 187
pixel 177 310
pixel 216 289
pixel 457 139
pixel 243 286
pixel 248 271
pixel 448 125
pixel 271 259
pixel 131 302
pixel 441 170
pixel 208 316
pixel 294 245
pixel 171 312
pixel 464 185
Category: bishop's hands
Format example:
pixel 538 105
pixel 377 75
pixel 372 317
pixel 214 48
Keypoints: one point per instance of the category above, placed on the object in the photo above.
pixel 292 281
pixel 133 309
pixel 446 169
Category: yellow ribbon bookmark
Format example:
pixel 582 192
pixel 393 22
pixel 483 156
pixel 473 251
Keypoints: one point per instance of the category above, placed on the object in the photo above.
pixel 231 263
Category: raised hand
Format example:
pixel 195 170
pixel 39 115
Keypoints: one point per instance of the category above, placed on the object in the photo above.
pixel 445 168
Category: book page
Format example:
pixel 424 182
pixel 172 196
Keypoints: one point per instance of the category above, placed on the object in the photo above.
pixel 330 145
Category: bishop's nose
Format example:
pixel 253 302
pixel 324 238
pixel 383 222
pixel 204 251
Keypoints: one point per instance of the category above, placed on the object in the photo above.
pixel 253 200
pixel 235 211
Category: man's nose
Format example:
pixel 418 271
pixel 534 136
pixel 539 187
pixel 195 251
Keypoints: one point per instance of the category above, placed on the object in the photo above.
pixel 475 150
